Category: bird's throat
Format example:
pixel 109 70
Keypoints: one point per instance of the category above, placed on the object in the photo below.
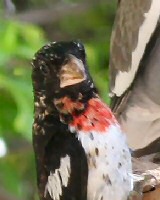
pixel 96 117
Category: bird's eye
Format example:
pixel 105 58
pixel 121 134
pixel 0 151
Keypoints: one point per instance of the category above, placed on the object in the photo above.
pixel 80 46
pixel 44 68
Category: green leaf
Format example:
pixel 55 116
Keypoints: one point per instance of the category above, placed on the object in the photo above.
pixel 21 93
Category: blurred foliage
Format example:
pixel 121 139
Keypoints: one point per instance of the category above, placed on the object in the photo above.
pixel 19 42
pixel 18 45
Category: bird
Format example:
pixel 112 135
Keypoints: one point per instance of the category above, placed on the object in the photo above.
pixel 135 74
pixel 81 152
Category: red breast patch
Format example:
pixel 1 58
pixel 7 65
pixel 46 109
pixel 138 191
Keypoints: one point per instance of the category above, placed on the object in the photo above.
pixel 97 117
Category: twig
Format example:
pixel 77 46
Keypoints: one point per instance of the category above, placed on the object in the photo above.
pixel 54 13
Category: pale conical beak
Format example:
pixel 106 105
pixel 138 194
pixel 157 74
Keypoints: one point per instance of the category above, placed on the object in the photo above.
pixel 72 72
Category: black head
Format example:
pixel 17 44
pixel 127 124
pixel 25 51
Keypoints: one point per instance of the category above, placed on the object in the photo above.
pixel 59 68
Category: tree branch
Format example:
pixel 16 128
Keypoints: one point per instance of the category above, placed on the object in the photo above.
pixel 54 13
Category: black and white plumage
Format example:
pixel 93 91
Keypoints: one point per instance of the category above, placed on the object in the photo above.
pixel 135 73
pixel 81 151
pixel 59 155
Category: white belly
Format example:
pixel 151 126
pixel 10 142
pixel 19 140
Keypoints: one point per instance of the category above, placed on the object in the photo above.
pixel 109 164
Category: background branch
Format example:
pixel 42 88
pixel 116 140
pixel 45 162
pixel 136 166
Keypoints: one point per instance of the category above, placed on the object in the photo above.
pixel 54 12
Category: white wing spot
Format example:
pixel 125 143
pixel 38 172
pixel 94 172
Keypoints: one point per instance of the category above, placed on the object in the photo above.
pixel 58 179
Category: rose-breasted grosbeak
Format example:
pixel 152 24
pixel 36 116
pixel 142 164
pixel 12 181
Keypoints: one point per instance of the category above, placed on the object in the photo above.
pixel 81 152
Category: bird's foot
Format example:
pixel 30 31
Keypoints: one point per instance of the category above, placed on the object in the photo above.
pixel 150 182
